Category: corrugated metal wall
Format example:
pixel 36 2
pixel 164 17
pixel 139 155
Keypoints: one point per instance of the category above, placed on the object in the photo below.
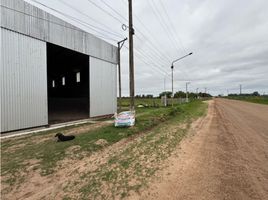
pixel 27 19
pixel 102 86
pixel 23 76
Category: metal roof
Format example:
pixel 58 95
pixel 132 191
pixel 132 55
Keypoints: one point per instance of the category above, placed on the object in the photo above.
pixel 24 18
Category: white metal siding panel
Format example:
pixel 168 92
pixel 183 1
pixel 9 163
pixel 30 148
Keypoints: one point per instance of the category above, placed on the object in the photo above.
pixel 103 97
pixel 1 77
pixel 43 26
pixel 23 82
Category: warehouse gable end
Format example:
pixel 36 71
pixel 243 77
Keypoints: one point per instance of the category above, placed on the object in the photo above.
pixel 51 71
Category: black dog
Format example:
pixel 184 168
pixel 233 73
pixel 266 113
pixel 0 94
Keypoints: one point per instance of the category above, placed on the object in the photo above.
pixel 62 138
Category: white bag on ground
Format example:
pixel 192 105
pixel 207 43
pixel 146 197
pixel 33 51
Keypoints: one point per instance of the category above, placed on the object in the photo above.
pixel 123 119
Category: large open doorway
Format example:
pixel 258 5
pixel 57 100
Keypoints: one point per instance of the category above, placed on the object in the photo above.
pixel 68 84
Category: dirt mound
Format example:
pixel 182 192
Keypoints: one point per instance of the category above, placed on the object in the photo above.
pixel 101 142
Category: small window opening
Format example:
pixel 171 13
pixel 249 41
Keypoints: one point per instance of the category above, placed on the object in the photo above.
pixel 78 77
pixel 53 83
pixel 63 80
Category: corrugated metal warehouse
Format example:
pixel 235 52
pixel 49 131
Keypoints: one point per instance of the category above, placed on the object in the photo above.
pixel 51 71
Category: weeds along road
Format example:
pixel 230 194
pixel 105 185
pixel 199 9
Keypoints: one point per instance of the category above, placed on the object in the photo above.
pixel 227 158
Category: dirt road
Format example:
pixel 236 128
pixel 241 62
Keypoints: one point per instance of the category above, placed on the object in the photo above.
pixel 227 158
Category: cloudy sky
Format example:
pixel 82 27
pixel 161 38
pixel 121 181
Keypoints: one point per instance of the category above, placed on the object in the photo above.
pixel 228 38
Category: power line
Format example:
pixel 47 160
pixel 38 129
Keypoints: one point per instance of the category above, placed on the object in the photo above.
pixel 105 11
pixel 173 31
pixel 94 20
pixel 152 57
pixel 173 27
pixel 124 19
pixel 164 26
pixel 152 49
pixel 152 46
pixel 83 22
pixel 52 22
pixel 90 26
pixel 109 6
pixel 141 52
pixel 155 66
pixel 171 36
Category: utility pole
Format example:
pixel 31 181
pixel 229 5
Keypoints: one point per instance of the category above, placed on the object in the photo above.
pixel 165 97
pixel 197 93
pixel 187 92
pixel 131 57
pixel 164 84
pixel 119 46
pixel 205 90
pixel 172 95
pixel 240 88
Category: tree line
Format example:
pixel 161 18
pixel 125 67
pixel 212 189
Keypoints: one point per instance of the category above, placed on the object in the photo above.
pixel 181 94
pixel 256 94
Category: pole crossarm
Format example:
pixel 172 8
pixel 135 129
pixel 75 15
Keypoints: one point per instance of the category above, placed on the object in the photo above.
pixel 121 43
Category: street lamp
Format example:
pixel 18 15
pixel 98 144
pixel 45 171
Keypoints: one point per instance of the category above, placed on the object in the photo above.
pixel 172 67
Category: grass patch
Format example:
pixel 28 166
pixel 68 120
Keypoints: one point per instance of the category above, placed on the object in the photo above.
pixel 124 172
pixel 252 99
pixel 49 152
pixel 130 170
pixel 150 102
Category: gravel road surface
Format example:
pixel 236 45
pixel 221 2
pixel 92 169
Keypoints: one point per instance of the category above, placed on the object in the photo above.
pixel 226 158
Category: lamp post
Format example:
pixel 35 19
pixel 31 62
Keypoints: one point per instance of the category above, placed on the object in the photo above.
pixel 172 68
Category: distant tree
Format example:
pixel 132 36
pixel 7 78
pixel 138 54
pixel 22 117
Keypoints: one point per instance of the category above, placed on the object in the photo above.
pixel 255 94
pixel 180 94
pixel 192 95
pixel 204 94
pixel 168 93
pixel 149 96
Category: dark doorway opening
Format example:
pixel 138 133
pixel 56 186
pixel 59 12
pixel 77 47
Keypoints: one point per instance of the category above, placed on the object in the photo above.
pixel 68 84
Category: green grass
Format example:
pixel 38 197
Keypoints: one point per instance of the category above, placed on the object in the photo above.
pixel 132 163
pixel 49 152
pixel 252 99
pixel 150 102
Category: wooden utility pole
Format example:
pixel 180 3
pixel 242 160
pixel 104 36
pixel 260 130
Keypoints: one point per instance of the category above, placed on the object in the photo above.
pixel 131 57
pixel 119 44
